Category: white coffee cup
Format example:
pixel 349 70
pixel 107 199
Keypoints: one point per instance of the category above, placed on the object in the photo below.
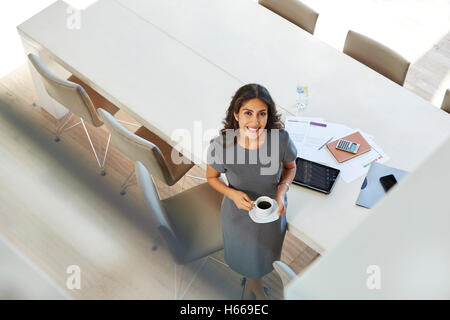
pixel 260 212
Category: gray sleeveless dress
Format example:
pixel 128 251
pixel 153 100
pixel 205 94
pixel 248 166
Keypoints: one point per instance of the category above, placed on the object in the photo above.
pixel 250 248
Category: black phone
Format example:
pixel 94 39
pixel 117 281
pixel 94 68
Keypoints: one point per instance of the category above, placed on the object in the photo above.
pixel 388 182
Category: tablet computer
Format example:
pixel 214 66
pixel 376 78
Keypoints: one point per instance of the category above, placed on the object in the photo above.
pixel 315 176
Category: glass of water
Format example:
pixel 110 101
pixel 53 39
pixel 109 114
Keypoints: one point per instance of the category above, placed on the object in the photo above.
pixel 302 98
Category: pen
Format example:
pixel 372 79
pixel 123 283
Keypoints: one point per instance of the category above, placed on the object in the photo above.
pixel 325 143
pixel 317 124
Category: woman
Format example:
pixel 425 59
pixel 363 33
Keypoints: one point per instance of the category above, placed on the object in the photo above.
pixel 252 131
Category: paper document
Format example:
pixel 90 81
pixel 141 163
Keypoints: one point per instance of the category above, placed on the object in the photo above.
pixel 313 148
pixel 316 137
pixel 299 128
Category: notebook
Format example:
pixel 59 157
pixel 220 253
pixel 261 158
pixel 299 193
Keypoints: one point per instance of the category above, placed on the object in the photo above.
pixel 341 155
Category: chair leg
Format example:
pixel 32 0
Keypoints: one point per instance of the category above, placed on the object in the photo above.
pixel 125 185
pixel 156 243
pixel 61 127
pixel 129 123
pixel 243 295
pixel 182 183
pixel 243 285
pixel 194 177
pixel 217 260
pixel 60 130
pixel 99 151
pixel 99 142
pixel 157 191
pixel 243 280
pixel 72 126
pixel 178 280
pixel 194 277
pixel 106 150
pixel 178 294
pixel 93 149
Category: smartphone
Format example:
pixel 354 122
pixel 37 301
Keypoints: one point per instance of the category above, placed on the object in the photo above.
pixel 388 182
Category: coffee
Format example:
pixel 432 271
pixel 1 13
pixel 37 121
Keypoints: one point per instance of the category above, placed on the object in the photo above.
pixel 264 205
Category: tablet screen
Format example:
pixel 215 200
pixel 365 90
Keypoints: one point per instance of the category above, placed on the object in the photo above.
pixel 315 175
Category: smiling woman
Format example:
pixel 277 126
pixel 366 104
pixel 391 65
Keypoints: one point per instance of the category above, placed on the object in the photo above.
pixel 253 92
pixel 252 129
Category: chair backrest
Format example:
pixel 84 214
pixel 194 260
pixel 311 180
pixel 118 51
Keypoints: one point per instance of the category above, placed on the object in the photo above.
pixel 446 102
pixel 286 274
pixel 156 207
pixel 71 95
pixel 293 11
pixel 376 56
pixel 136 148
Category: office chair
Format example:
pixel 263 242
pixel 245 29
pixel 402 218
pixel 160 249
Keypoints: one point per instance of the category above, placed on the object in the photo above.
pixel 286 274
pixel 153 152
pixel 80 99
pixel 376 56
pixel 189 223
pixel 446 102
pixel 293 11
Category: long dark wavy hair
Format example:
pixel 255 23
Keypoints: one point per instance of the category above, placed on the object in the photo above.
pixel 245 93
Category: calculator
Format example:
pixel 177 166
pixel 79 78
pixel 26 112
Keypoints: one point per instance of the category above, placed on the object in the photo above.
pixel 348 146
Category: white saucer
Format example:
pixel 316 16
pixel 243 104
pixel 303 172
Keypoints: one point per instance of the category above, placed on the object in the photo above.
pixel 273 216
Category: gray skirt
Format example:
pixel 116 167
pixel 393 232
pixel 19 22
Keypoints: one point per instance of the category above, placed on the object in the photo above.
pixel 250 248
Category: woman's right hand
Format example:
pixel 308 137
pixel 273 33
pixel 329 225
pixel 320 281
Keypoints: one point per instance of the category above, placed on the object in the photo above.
pixel 241 200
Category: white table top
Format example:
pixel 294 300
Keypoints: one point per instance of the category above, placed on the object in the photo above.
pixel 151 56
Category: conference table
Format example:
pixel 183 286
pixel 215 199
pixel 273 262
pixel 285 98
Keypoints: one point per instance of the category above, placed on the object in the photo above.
pixel 174 65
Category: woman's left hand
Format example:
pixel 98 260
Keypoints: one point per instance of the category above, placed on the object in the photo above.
pixel 281 207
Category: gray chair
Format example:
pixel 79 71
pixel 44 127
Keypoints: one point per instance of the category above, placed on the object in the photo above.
pixel 284 271
pixel 376 56
pixel 189 223
pixel 293 11
pixel 148 148
pixel 80 99
pixel 446 102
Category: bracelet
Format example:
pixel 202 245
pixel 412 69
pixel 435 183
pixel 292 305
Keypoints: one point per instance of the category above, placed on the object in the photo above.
pixel 285 184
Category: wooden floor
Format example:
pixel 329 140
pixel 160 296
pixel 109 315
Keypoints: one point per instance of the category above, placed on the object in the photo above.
pixel 62 185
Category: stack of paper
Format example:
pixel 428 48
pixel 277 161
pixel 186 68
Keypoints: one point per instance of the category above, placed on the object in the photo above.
pixel 310 136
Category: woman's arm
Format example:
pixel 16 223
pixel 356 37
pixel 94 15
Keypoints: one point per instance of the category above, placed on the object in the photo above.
pixel 240 199
pixel 287 175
